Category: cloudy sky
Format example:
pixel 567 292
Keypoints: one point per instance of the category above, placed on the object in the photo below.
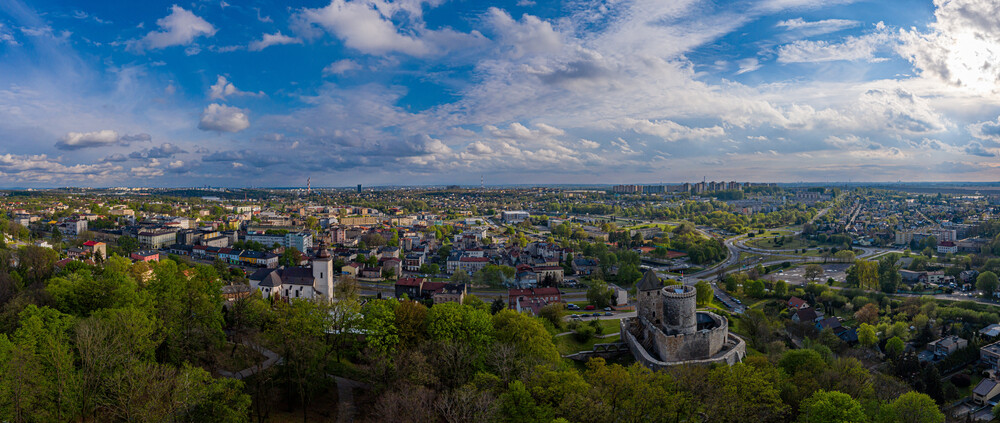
pixel 269 93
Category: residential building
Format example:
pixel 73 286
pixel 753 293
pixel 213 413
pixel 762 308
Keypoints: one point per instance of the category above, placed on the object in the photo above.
pixel 145 256
pixel 947 247
pixel 451 293
pixel 96 249
pixel 157 238
pixel 946 346
pixel 532 299
pixel 990 355
pixel 514 216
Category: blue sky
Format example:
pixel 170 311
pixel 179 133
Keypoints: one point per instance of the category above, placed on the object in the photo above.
pixel 264 93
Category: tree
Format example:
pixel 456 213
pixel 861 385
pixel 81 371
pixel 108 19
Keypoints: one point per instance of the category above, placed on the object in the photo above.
pixel 864 274
pixel 754 288
pixel 867 314
pixel 894 347
pixel 813 271
pixel 127 244
pixel 600 294
pixel 914 407
pixel 497 305
pixel 460 276
pixel 866 335
pixel 831 407
pixel 987 283
pixel 888 273
pixel 300 341
pixel 704 293
pixel 290 257
pixel 780 288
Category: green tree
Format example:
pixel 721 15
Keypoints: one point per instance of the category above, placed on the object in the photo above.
pixel 300 340
pixel 780 288
pixel 914 407
pixel 460 324
pixel 127 244
pixel 704 293
pixel 382 334
pixel 894 347
pixel 600 294
pixel 831 407
pixel 528 336
pixel 888 273
pixel 987 283
pixel 754 288
pixel 290 257
pixel 867 336
pixel 813 271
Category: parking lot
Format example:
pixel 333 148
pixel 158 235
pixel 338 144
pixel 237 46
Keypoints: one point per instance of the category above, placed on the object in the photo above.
pixel 795 276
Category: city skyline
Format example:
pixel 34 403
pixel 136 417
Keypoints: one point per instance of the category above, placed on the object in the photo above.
pixel 520 92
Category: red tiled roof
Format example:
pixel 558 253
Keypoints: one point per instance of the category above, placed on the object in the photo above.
pixel 532 292
pixel 92 243
pixel 474 259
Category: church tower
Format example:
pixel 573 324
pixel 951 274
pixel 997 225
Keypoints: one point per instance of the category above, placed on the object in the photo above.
pixel 322 267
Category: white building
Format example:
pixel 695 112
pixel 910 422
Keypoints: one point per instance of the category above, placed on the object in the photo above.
pixel 514 216
pixel 315 281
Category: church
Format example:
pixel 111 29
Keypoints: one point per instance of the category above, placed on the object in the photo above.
pixel 314 281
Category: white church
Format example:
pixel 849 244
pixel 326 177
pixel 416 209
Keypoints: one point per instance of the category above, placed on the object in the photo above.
pixel 315 281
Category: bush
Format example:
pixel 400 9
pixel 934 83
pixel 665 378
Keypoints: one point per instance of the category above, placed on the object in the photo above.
pixel 584 333
pixel 961 380
pixel 598 329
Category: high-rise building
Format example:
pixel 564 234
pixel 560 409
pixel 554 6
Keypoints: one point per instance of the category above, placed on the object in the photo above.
pixel 359 188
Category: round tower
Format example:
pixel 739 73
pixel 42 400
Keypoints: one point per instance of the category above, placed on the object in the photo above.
pixel 679 304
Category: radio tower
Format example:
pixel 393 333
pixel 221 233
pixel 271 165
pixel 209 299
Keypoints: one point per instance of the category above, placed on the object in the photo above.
pixel 482 182
pixel 309 186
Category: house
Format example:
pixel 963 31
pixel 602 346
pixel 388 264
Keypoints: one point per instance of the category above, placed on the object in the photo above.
pixel 472 265
pixel 315 281
pixel 351 269
pixel 946 346
pixel 532 299
pixel 797 303
pixel 584 266
pixel 413 261
pixel 909 276
pixel 553 273
pixel 986 392
pixel 409 286
pixel 96 249
pixel 990 355
pixel 145 256
pixel 391 263
pixel 829 323
pixel 806 315
pixel 991 331
pixel 451 293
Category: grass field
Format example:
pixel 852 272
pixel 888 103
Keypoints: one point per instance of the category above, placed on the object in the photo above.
pixel 567 345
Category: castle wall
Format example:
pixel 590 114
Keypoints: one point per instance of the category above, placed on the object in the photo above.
pixel 690 346
pixel 651 306
pixel 733 350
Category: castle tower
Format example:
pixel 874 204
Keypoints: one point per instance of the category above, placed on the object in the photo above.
pixel 679 304
pixel 648 290
pixel 322 267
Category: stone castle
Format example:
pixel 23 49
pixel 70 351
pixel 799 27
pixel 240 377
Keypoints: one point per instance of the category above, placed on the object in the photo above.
pixel 668 330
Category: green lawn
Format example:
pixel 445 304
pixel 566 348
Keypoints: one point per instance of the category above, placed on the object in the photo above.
pixel 568 345
pixel 770 244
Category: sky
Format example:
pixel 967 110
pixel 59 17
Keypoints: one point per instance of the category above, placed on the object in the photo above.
pixel 414 92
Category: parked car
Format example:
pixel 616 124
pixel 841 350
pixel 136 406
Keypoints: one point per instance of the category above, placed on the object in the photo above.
pixel 608 313
pixel 607 308
pixel 590 307
pixel 596 314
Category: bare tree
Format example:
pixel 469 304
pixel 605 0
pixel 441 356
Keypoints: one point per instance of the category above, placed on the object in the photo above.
pixel 467 405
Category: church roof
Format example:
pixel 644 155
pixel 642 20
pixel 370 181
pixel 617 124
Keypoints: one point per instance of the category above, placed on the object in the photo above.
pixel 649 281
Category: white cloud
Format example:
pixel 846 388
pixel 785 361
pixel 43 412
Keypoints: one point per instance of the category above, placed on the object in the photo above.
pixel 588 144
pixel 812 28
pixel 78 140
pixel 363 27
pixel 749 64
pixel 961 47
pixel 670 130
pixel 341 67
pixel 179 28
pixel 223 88
pixel 40 168
pixel 529 36
pixel 989 130
pixel 273 39
pixel 861 48
pixel 222 118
